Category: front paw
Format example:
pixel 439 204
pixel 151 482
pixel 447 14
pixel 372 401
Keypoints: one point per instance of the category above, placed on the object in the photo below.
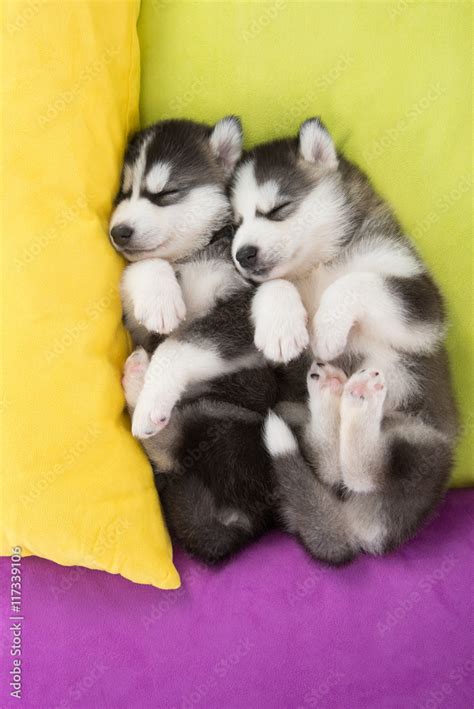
pixel 280 321
pixel 281 340
pixel 327 345
pixel 161 312
pixel 330 335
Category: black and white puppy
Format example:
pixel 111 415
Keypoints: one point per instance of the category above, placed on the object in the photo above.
pixel 173 221
pixel 381 419
pixel 171 204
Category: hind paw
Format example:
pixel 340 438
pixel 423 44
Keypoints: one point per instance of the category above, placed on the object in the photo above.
pixel 367 389
pixel 325 376
pixel 134 375
pixel 152 414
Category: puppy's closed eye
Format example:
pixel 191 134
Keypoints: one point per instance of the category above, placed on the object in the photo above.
pixel 164 198
pixel 278 213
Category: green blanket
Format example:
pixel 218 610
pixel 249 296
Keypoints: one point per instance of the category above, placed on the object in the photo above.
pixel 393 83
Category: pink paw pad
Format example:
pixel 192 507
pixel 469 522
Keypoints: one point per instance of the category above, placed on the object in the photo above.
pixel 136 365
pixel 365 384
pixel 159 421
pixel 327 377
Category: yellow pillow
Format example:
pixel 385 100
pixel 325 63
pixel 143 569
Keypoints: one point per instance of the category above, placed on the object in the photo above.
pixel 77 488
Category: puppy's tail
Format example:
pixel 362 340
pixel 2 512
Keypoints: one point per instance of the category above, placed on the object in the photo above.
pixel 307 507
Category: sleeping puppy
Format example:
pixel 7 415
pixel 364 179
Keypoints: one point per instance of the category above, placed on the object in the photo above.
pixel 171 205
pixel 382 420
pixel 172 220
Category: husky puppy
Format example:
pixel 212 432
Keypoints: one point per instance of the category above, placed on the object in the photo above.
pixel 172 221
pixel 170 206
pixel 382 421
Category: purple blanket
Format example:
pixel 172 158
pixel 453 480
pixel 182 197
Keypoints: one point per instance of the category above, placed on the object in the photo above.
pixel 271 629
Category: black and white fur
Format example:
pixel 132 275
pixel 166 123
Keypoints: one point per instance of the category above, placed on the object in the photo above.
pixel 213 472
pixel 385 437
pixel 171 205
pixel 172 202
pixel 172 219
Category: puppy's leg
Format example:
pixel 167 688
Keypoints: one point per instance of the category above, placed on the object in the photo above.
pixel 325 386
pixel 152 297
pixel 173 367
pixel 206 348
pixel 364 306
pixel 362 443
pixel 280 321
pixel 397 471
pixel 308 508
pixel 159 448
pixel 134 376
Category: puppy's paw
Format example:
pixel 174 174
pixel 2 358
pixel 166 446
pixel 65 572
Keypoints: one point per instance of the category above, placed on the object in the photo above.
pixel 280 320
pixel 151 292
pixel 329 345
pixel 152 414
pixel 366 392
pixel 134 375
pixel 324 377
pixel 281 341
pixel 331 326
pixel 161 312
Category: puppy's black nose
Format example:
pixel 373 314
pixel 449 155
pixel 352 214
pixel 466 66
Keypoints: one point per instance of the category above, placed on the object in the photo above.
pixel 121 234
pixel 247 256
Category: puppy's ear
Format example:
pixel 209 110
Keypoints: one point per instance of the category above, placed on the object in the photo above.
pixel 226 142
pixel 316 144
